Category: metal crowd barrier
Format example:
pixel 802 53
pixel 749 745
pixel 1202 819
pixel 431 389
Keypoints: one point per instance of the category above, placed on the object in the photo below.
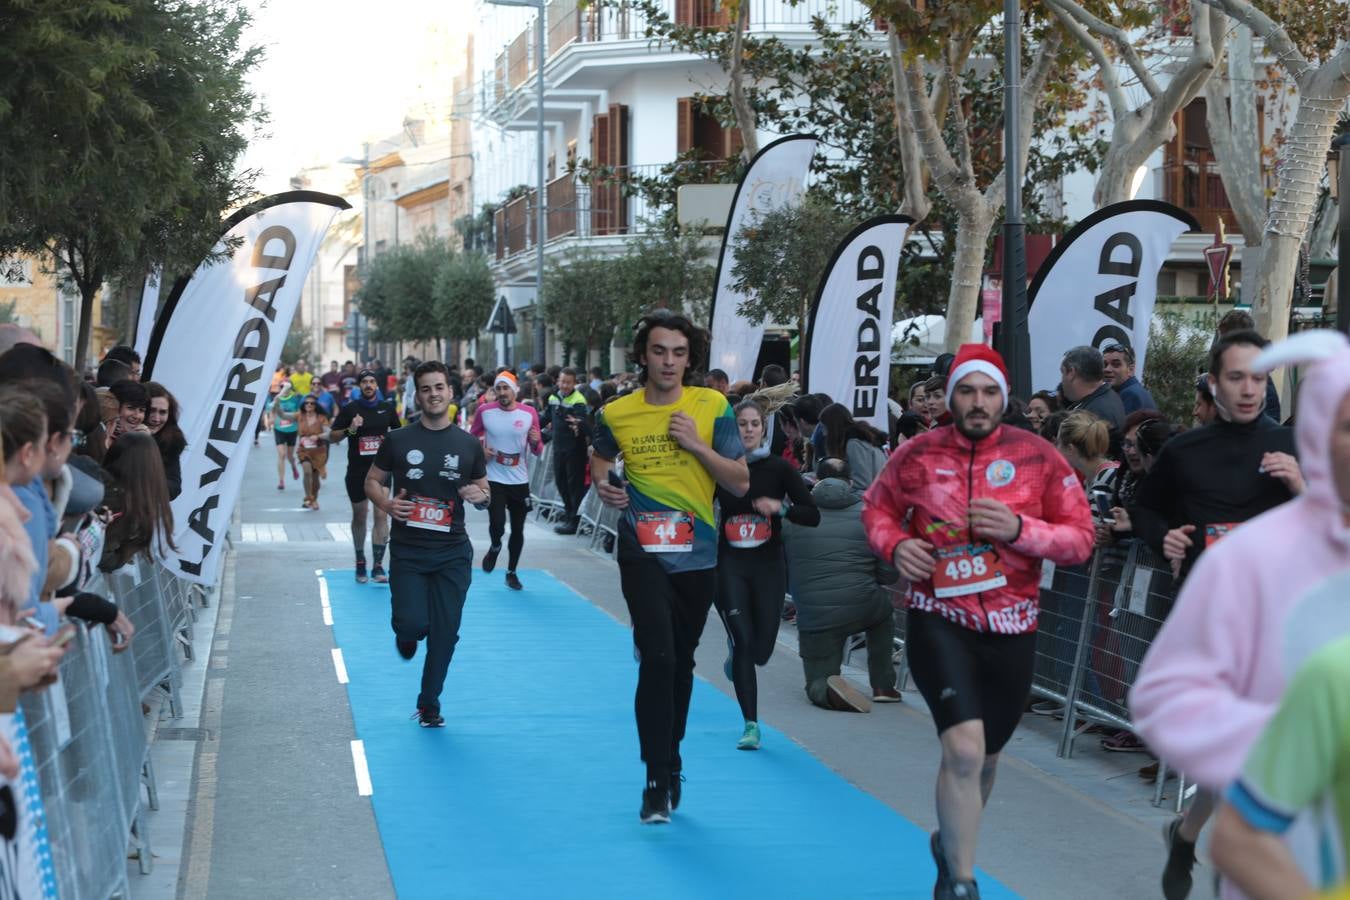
pixel 89 734
pixel 543 488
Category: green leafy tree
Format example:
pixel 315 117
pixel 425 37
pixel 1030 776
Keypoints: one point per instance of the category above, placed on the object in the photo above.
pixel 1178 347
pixel 781 258
pixel 464 292
pixel 665 270
pixel 413 275
pixel 581 291
pixel 121 126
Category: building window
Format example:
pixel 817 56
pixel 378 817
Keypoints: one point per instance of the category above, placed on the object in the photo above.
pixel 699 132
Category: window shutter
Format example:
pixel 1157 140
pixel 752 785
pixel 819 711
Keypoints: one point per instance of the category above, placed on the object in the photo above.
pixel 618 134
pixel 684 124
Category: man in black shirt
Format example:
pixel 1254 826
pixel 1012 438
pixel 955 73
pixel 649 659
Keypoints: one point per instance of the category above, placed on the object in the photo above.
pixel 1082 375
pixel 437 468
pixel 365 421
pixel 1209 480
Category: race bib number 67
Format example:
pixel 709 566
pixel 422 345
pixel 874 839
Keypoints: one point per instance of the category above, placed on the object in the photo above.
pixel 665 532
pixel 967 569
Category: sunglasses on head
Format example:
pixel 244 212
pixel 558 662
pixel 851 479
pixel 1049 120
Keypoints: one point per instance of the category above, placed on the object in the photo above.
pixel 1128 352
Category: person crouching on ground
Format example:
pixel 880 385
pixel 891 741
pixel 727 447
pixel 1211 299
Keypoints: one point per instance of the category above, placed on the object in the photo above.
pixel 839 589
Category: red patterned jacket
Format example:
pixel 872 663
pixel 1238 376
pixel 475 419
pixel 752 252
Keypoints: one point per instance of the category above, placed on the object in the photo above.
pixel 925 492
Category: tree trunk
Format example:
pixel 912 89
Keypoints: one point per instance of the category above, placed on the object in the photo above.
pixel 86 330
pixel 974 222
pixel 740 103
pixel 1302 164
pixel 1235 135
pixel 1128 151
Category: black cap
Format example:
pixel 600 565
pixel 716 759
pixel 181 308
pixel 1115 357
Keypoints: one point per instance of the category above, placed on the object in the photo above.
pixel 364 372
pixel 942 366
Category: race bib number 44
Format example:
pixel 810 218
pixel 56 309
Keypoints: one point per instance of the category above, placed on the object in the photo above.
pixel 369 444
pixel 665 532
pixel 747 530
pixel 967 569
pixel 431 514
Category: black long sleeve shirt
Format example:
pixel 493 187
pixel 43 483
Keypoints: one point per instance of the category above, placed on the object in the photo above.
pixel 1210 476
pixel 772 476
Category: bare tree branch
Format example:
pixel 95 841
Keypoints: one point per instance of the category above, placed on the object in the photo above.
pixel 1116 36
pixel 1277 40
pixel 745 115
pixel 915 203
pixel 927 131
pixel 1120 104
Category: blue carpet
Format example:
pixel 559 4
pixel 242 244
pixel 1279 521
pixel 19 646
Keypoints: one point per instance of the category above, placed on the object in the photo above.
pixel 532 789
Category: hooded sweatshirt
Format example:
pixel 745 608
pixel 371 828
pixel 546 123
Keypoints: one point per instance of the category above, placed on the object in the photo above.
pixel 1256 603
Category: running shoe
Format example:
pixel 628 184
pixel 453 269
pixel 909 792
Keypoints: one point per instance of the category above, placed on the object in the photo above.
pixel 957 890
pixel 1176 876
pixel 429 718
pixel 844 696
pixel 281 485
pixel 749 738
pixel 379 576
pixel 490 557
pixel 513 582
pixel 361 572
pixel 655 805
pixel 940 860
pixel 406 649
pixel 568 527
pixel 886 695
pixel 1048 708
pixel 676 788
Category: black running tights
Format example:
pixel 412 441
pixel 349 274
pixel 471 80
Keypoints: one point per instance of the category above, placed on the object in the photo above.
pixel 514 498
pixel 750 588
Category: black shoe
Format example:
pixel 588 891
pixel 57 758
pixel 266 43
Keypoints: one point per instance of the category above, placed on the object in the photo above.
pixel 429 718
pixel 378 575
pixel 957 890
pixel 406 649
pixel 676 788
pixel 361 572
pixel 490 557
pixel 568 527
pixel 1176 877
pixel 513 582
pixel 940 859
pixel 655 805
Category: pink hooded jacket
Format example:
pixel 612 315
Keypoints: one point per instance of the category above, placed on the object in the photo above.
pixel 1257 602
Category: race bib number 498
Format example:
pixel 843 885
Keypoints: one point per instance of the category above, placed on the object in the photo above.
pixel 665 532
pixel 431 514
pixel 967 569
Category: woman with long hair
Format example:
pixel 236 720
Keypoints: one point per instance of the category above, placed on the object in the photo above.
pixel 751 567
pixel 286 409
pixel 1085 440
pixel 314 426
pixel 161 417
pixel 1039 408
pixel 857 442
pixel 137 498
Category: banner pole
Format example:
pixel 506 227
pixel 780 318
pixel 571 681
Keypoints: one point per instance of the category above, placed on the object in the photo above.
pixel 1013 337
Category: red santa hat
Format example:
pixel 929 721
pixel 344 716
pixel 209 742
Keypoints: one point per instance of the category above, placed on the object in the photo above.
pixel 972 358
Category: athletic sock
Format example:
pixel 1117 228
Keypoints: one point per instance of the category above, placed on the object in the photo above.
pixel 379 553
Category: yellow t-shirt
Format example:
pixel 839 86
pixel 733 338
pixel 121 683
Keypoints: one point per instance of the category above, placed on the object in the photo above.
pixel 302 381
pixel 661 475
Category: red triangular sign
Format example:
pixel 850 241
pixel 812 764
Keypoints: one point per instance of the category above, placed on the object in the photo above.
pixel 1217 257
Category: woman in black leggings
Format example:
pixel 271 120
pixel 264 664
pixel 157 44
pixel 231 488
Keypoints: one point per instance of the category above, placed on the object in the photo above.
pixel 751 568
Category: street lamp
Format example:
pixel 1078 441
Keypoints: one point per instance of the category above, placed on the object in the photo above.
pixel 1014 340
pixel 540 336
pixel 1338 175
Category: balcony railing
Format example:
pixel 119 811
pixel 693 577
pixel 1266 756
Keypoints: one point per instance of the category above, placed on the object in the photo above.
pixel 1196 186
pixel 602 203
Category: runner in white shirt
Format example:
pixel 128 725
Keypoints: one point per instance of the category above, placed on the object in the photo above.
pixel 509 432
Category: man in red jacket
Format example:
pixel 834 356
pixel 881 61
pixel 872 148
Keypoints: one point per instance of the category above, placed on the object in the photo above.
pixel 967 512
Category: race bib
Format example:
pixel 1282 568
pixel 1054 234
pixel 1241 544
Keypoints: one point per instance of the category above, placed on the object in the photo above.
pixel 309 442
pixel 507 459
pixel 966 569
pixel 1217 532
pixel 369 444
pixel 430 513
pixel 747 530
pixel 665 532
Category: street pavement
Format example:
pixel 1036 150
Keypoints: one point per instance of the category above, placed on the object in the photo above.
pixel 279 814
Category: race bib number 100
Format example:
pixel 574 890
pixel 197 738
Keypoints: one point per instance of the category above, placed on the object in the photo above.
pixel 967 569
pixel 431 514
pixel 665 532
